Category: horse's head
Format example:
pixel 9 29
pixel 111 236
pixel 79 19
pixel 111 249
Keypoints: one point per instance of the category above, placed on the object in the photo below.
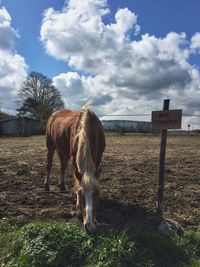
pixel 88 190
pixel 88 203
pixel 88 149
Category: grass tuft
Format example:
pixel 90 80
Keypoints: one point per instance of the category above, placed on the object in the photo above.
pixel 40 244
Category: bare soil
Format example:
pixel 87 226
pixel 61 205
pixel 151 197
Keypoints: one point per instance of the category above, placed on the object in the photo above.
pixel 128 183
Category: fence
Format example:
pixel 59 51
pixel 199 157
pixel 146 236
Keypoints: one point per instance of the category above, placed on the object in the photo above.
pixel 190 122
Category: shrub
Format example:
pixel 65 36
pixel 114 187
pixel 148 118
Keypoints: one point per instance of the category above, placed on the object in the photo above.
pixel 60 245
pixel 52 245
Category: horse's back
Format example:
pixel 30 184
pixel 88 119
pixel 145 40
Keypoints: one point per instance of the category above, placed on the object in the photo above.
pixel 96 138
pixel 59 124
pixel 63 127
pixel 96 129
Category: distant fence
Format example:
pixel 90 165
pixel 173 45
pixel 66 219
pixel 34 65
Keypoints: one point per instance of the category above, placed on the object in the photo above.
pixel 126 125
pixel 142 122
pixel 110 122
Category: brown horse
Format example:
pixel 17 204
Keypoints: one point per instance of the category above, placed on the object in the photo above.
pixel 77 135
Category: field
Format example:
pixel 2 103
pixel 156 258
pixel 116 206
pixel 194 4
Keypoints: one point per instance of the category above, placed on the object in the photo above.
pixel 128 183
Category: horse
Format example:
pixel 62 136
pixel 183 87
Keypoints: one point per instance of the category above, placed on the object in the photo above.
pixel 79 136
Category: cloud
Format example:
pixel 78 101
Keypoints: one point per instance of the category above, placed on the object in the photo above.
pixel 76 89
pixel 13 68
pixel 79 36
pixel 195 42
pixel 124 21
pixel 7 33
pixel 125 70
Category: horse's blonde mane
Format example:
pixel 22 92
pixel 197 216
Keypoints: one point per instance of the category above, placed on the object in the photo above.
pixel 84 159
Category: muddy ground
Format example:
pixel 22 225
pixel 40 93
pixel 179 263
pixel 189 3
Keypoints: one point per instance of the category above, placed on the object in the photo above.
pixel 128 184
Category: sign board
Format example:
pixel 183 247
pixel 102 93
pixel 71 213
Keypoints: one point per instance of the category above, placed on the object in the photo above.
pixel 166 119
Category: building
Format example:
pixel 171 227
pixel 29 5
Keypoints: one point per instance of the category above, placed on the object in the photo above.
pixel 122 120
pixel 20 127
pixel 127 126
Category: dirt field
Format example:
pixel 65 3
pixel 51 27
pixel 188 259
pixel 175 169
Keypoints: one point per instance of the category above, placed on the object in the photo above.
pixel 128 184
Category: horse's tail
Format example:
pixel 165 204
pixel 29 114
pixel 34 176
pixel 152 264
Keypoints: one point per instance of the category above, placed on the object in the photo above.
pixel 84 159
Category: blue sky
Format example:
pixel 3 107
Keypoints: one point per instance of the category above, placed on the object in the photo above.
pixel 156 17
pixel 127 56
pixel 27 17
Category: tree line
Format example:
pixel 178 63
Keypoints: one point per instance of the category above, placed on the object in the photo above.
pixel 37 99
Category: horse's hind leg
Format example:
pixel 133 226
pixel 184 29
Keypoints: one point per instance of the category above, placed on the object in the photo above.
pixel 50 154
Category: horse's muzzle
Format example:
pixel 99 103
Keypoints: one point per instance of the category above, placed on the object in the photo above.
pixel 90 228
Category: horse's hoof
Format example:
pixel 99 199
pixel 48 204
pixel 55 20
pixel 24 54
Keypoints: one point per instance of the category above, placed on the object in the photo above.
pixel 46 188
pixel 78 214
pixel 62 188
pixel 99 225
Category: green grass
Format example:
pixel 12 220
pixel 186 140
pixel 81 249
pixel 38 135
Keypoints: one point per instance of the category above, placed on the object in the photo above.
pixel 53 244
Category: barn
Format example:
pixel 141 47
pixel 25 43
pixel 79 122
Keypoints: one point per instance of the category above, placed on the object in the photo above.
pixel 20 127
pixel 121 120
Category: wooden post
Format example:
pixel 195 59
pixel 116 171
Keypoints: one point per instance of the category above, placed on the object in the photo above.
pixel 188 128
pixel 163 143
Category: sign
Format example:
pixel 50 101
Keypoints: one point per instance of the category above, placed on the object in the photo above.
pixel 166 119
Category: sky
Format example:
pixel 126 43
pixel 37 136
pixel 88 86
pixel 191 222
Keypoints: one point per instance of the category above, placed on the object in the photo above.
pixel 124 55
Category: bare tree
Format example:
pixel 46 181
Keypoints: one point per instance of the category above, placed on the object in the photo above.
pixel 38 97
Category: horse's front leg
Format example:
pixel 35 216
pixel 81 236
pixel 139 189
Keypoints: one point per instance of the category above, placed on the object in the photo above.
pixel 78 192
pixel 78 205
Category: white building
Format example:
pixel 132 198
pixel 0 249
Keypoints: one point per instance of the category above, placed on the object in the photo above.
pixel 122 120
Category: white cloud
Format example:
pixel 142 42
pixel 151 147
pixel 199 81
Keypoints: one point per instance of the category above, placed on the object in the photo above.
pixel 125 20
pixel 78 35
pixel 137 29
pixel 7 33
pixel 195 42
pixel 12 66
pixel 137 73
pixel 76 89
